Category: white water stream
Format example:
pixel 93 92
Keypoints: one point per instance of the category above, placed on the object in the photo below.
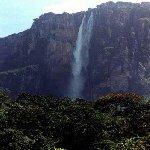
pixel 81 57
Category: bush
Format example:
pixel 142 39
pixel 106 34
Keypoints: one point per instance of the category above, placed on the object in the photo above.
pixel 118 99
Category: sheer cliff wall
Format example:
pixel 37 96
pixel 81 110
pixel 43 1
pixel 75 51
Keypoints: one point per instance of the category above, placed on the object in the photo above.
pixel 39 60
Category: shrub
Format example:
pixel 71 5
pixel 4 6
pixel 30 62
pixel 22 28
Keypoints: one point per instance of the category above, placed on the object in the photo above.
pixel 118 99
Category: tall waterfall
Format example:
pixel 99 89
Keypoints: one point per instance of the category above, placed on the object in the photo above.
pixel 81 57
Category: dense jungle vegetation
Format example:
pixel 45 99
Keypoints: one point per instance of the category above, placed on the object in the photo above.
pixel 118 121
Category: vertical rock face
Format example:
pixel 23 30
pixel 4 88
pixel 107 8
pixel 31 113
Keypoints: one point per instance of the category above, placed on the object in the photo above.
pixel 120 49
pixel 40 59
pixel 48 47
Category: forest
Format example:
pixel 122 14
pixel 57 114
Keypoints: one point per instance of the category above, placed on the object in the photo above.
pixel 117 121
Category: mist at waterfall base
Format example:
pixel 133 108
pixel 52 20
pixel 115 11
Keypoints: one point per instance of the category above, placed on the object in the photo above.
pixel 81 57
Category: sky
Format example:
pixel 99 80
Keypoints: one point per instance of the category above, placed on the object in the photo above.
pixel 18 15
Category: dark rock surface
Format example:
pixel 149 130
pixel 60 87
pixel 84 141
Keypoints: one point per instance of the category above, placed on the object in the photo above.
pixel 39 60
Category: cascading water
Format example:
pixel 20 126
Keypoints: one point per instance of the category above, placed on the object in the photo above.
pixel 81 57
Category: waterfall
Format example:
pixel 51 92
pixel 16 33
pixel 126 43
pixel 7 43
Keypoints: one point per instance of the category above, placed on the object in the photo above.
pixel 81 57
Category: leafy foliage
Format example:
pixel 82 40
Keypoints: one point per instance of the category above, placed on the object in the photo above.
pixel 118 121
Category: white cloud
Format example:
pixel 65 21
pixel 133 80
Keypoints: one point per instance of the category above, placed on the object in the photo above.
pixel 72 6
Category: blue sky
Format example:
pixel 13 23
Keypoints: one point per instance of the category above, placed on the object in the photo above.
pixel 18 15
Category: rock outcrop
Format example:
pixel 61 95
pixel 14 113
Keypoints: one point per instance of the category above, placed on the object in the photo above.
pixel 39 60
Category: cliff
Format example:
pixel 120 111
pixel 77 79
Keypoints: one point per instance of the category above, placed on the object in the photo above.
pixel 39 60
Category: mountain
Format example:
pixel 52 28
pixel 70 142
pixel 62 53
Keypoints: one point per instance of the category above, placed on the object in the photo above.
pixel 115 56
